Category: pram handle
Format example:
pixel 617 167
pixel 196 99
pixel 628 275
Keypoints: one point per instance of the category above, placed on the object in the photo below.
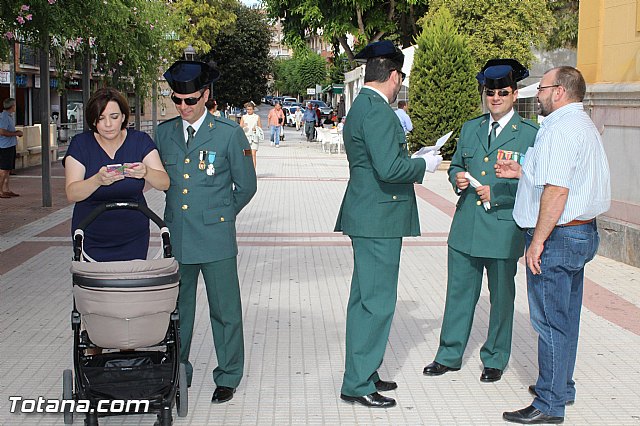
pixel 78 233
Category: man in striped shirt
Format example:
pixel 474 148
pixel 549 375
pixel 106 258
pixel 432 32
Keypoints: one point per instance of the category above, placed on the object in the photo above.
pixel 564 184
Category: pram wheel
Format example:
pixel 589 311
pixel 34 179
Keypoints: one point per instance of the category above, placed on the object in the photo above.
pixel 182 398
pixel 67 394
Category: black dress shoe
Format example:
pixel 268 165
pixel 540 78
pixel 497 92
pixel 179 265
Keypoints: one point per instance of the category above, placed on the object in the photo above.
pixel 532 391
pixel 437 369
pixel 222 394
pixel 530 416
pixel 490 375
pixel 382 386
pixel 373 400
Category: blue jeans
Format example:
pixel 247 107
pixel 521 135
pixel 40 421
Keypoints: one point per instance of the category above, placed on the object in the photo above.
pixel 555 299
pixel 275 134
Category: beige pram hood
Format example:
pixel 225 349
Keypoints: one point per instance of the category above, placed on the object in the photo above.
pixel 126 305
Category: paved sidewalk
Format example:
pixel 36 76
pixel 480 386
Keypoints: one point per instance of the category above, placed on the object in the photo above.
pixel 295 274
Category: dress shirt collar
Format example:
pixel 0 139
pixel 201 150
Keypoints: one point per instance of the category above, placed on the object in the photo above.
pixel 195 125
pixel 501 122
pixel 378 92
pixel 560 113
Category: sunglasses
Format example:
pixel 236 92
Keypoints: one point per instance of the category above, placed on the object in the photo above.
pixel 502 93
pixel 401 73
pixel 189 101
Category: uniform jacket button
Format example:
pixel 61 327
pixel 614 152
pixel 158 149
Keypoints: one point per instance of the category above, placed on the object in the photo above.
pixel 221 219
pixel 478 202
pixel 184 207
pixel 483 173
pixel 186 175
pixel 187 161
pixel 486 159
pixel 185 191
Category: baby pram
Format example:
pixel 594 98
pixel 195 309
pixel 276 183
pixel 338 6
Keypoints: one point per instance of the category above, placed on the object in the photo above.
pixel 129 309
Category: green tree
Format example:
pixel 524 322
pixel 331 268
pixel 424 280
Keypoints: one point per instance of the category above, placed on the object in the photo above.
pixel 306 69
pixel 242 56
pixel 443 91
pixel 499 28
pixel 365 20
pixel 565 30
pixel 199 22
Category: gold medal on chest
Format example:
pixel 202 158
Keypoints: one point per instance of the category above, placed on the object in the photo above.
pixel 201 164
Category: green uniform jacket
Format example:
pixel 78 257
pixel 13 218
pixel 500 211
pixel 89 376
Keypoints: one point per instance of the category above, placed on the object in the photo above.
pixel 201 209
pixel 380 201
pixel 474 231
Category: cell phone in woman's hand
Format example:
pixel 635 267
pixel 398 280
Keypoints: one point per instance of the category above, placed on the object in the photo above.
pixel 115 168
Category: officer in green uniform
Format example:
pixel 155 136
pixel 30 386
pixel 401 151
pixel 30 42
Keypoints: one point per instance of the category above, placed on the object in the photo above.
pixel 483 234
pixel 378 209
pixel 208 160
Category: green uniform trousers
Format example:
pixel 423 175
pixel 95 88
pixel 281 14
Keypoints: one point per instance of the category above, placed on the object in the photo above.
pixel 225 313
pixel 372 303
pixel 464 283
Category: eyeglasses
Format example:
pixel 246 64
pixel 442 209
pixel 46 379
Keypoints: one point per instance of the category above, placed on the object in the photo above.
pixel 546 87
pixel 189 101
pixel 502 93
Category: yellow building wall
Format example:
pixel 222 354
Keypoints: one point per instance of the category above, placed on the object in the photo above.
pixel 609 41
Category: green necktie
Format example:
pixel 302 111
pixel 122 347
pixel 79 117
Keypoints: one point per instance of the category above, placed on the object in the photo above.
pixel 191 132
pixel 492 135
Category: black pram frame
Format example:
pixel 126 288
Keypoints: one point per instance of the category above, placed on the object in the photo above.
pixel 125 372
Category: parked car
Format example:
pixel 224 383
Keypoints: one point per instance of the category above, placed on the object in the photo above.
pixel 325 110
pixel 288 100
pixel 267 99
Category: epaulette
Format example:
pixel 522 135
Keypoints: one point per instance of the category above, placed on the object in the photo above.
pixel 171 120
pixel 530 123
pixel 227 121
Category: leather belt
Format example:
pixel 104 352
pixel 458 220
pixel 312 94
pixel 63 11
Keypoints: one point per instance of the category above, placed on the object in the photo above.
pixel 577 222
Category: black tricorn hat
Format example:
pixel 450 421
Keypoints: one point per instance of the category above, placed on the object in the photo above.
pixel 500 73
pixel 380 49
pixel 186 77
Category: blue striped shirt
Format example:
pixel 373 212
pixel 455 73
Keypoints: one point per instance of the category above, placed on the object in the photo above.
pixel 568 152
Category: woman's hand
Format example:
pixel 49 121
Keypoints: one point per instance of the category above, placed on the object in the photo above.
pixel 106 178
pixel 135 170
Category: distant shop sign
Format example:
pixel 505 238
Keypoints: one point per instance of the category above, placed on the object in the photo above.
pixel 74 83
pixel 311 91
pixel 53 82
pixel 22 80
pixel 5 77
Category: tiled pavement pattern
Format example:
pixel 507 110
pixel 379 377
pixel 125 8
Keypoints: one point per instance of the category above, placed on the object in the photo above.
pixel 295 275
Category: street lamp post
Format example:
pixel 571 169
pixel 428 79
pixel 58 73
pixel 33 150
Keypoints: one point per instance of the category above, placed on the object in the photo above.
pixel 189 53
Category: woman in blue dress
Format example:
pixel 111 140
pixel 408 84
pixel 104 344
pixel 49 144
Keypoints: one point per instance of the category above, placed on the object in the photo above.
pixel 117 234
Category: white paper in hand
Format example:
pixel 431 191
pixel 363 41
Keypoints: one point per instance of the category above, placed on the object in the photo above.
pixel 474 182
pixel 422 151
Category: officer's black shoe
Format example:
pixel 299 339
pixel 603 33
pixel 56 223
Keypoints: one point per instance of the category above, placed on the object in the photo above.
pixel 490 375
pixel 437 369
pixel 382 386
pixel 373 400
pixel 222 394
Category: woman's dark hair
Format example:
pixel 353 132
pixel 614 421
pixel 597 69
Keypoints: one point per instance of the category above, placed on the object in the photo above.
pixel 98 102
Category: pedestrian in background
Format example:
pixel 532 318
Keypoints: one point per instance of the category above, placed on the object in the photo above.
pixel 275 121
pixel 309 118
pixel 212 107
pixel 212 179
pixel 298 118
pixel 403 116
pixel 250 123
pixel 564 184
pixel 8 142
pixel 484 239
pixel 378 209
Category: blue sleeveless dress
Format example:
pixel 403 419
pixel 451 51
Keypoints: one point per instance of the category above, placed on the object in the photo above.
pixel 114 235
